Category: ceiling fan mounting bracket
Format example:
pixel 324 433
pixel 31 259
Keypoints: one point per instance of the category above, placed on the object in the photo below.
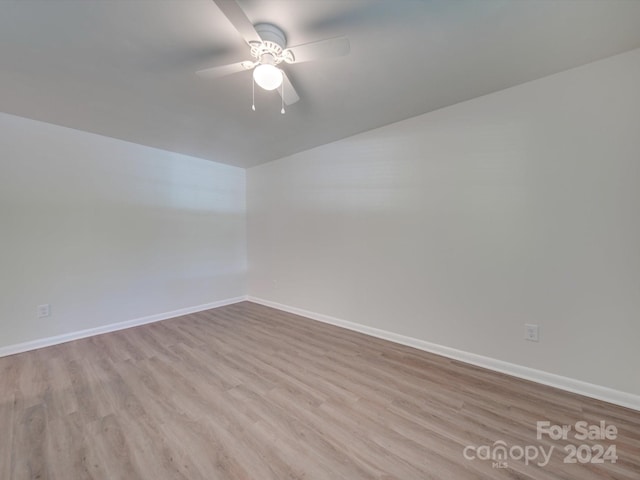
pixel 271 33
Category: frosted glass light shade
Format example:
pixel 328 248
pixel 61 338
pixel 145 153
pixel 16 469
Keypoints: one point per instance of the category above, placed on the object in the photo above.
pixel 267 76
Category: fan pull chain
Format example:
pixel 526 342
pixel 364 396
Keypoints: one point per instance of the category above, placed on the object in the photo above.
pixel 282 95
pixel 253 94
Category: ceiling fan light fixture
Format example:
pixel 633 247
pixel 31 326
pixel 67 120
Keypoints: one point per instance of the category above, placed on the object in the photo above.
pixel 267 76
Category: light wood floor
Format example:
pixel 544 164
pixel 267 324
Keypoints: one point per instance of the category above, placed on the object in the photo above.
pixel 247 392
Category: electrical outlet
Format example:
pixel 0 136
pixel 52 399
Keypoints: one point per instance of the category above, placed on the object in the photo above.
pixel 531 332
pixel 44 310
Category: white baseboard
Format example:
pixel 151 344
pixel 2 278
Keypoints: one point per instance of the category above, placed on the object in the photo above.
pixel 67 337
pixel 606 394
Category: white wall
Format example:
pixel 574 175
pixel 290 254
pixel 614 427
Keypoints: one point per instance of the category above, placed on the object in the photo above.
pixel 459 226
pixel 108 231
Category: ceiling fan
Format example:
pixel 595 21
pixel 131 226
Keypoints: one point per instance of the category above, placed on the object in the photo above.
pixel 268 49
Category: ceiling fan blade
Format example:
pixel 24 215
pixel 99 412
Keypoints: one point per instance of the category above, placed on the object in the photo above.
pixel 224 70
pixel 332 47
pixel 239 20
pixel 290 96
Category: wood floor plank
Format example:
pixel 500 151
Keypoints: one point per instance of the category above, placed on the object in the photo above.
pixel 249 392
pixel 8 410
pixel 31 431
pixel 70 449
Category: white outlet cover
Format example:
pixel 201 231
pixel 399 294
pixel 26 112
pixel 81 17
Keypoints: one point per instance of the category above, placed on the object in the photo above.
pixel 44 310
pixel 531 332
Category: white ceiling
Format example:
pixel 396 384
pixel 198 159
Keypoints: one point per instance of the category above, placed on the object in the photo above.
pixel 125 68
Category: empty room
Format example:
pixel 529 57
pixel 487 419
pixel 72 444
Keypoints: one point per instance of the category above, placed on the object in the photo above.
pixel 319 239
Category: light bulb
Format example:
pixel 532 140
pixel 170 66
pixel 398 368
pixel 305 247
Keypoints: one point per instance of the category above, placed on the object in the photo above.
pixel 267 76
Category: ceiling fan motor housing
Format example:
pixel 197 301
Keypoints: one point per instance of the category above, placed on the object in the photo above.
pixel 273 44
